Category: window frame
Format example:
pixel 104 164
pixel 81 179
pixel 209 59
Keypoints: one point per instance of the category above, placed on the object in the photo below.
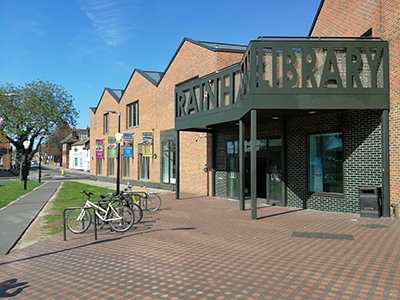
pixel 171 167
pixel 132 115
pixel 106 123
pixel 323 193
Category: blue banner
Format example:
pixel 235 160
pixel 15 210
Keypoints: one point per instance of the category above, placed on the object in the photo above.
pixel 127 146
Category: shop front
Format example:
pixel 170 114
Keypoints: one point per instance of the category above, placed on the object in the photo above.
pixel 299 122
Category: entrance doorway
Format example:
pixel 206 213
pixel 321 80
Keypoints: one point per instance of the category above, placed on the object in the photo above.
pixel 270 184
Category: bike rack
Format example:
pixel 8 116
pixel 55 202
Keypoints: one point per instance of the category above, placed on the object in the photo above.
pixel 95 220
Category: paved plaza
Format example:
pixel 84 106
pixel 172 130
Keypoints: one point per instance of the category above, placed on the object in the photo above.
pixel 205 248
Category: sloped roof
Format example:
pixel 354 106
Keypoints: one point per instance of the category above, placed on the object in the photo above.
pixel 155 77
pixel 81 142
pixel 115 93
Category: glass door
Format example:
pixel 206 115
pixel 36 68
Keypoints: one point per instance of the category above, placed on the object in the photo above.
pixel 275 184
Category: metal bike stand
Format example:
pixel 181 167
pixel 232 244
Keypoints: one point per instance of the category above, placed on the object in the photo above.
pixel 72 208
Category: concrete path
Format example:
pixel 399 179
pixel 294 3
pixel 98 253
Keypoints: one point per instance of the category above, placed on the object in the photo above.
pixel 16 217
pixel 205 248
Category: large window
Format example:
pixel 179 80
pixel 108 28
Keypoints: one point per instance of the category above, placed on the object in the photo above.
pixel 125 167
pixel 168 162
pixel 232 156
pixel 144 167
pixel 111 166
pixel 99 166
pixel 1 160
pixel 133 114
pixel 106 124
pixel 326 163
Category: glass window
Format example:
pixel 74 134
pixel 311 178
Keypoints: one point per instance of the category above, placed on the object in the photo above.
pixel 326 163
pixel 1 160
pixel 232 156
pixel 111 166
pixel 144 167
pixel 106 124
pixel 133 114
pixel 125 167
pixel 168 162
pixel 99 166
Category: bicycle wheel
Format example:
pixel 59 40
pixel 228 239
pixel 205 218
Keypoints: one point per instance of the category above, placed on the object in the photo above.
pixel 137 211
pixel 78 220
pixel 153 202
pixel 121 218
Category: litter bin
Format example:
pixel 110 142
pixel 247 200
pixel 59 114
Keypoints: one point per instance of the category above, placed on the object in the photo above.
pixel 370 202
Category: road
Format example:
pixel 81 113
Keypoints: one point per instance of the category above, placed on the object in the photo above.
pixel 50 173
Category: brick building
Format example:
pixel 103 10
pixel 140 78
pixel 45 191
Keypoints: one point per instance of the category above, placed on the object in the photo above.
pixel 146 108
pixel 299 122
pixel 376 19
pixel 74 148
pixel 5 156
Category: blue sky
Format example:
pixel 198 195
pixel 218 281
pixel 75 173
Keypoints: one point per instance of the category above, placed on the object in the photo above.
pixel 88 45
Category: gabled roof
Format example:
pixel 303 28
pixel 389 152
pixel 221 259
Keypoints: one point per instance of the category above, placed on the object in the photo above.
pixel 69 139
pixel 155 77
pixel 81 142
pixel 216 47
pixel 115 93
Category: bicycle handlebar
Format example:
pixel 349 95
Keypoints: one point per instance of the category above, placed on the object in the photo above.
pixel 87 194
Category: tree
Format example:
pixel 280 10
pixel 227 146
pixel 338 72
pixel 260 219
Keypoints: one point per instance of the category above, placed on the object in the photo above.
pixel 31 112
pixel 52 145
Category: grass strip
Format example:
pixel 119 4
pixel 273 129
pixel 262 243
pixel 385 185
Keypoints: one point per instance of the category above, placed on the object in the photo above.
pixel 70 196
pixel 10 191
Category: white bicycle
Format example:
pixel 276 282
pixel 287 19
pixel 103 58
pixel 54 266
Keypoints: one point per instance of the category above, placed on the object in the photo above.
pixel 120 218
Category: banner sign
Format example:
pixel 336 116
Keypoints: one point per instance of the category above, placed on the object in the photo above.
pixel 147 136
pixel 99 149
pixel 112 147
pixel 127 146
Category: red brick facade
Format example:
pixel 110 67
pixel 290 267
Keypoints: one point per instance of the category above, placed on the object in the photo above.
pixel 156 113
pixel 354 18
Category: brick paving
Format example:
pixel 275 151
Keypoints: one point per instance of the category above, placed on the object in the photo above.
pixel 205 248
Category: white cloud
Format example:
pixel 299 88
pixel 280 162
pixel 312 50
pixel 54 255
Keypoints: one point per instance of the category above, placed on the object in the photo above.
pixel 111 18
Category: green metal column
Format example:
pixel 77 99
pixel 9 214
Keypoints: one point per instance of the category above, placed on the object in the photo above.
pixel 283 158
pixel 241 165
pixel 178 167
pixel 385 164
pixel 253 163
pixel 213 182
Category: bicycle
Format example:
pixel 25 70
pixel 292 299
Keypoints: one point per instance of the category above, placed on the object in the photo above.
pixel 147 201
pixel 120 218
pixel 124 200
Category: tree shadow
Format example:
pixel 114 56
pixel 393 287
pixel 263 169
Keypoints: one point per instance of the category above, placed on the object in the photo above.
pixel 7 286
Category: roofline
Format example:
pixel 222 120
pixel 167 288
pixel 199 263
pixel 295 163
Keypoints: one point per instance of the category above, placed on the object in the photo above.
pixel 316 17
pixel 111 92
pixel 154 82
pixel 201 44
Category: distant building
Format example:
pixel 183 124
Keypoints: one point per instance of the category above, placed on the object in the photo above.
pixel 75 150
pixel 5 156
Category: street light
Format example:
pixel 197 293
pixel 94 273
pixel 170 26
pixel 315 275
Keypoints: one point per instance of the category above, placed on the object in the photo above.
pixel 26 146
pixel 118 137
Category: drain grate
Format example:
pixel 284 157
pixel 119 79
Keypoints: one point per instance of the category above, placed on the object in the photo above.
pixel 321 235
pixel 374 226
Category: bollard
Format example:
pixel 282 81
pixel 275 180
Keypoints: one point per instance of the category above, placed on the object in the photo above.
pixel 62 172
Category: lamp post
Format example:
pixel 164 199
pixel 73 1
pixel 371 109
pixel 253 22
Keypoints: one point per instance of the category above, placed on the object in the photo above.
pixel 26 146
pixel 118 137
pixel 40 163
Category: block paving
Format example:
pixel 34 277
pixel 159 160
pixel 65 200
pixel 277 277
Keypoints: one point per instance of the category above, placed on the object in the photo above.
pixel 205 248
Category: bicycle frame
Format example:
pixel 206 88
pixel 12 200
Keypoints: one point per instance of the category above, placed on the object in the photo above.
pixel 103 218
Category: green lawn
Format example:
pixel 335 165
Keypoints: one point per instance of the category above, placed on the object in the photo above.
pixel 70 196
pixel 10 191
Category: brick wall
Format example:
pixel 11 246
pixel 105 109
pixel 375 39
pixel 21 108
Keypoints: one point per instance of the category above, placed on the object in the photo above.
pixel 156 112
pixel 354 18
pixel 362 158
